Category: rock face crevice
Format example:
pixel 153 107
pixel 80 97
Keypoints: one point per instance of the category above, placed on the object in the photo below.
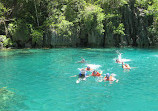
pixel 135 23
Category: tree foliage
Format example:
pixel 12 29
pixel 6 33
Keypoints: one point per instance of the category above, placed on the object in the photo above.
pixel 92 18
pixel 27 20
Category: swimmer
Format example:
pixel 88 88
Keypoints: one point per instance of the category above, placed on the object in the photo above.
pixel 82 61
pixel 82 74
pixel 88 69
pixel 118 61
pixel 95 73
pixel 109 77
pixel 119 58
pixel 126 66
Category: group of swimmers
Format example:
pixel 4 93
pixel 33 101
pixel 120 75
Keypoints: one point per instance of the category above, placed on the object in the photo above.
pixel 108 77
pixel 83 74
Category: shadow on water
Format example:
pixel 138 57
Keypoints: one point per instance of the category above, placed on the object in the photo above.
pixel 11 53
pixel 25 52
pixel 16 52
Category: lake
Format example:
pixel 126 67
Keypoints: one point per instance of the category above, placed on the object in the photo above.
pixel 40 80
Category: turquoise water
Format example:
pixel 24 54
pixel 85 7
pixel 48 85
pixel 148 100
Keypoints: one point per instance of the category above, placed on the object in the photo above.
pixel 39 80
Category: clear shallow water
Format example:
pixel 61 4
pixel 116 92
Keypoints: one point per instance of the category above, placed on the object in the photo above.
pixel 40 80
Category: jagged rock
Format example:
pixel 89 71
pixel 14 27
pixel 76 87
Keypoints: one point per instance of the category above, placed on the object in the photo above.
pixel 28 45
pixel 1 39
pixel 1 45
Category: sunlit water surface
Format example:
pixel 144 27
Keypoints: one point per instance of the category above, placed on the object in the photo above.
pixel 39 80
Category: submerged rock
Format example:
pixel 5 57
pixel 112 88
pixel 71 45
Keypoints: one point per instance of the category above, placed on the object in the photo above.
pixel 10 101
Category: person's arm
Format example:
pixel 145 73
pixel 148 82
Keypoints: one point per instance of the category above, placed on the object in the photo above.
pixel 100 73
pixel 73 76
pixel 129 67
pixel 104 78
pixel 88 75
pixel 92 74
pixel 123 65
pixel 117 80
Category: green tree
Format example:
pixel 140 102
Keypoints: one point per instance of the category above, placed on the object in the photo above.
pixel 3 17
pixel 20 32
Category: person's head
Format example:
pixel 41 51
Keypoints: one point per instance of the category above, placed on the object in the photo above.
pixel 107 75
pixel 94 72
pixel 126 65
pixel 83 60
pixel 88 68
pixel 83 71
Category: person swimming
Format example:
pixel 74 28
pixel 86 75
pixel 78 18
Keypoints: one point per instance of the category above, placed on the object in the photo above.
pixel 82 74
pixel 119 58
pixel 118 61
pixel 126 66
pixel 82 61
pixel 95 73
pixel 88 69
pixel 109 77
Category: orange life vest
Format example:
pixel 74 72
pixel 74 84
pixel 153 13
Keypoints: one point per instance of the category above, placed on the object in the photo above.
pixel 88 69
pixel 126 67
pixel 98 74
pixel 110 78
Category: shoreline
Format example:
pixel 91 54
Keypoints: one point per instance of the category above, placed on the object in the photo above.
pixel 13 48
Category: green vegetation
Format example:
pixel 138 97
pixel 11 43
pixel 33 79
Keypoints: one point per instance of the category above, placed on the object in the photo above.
pixel 90 23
